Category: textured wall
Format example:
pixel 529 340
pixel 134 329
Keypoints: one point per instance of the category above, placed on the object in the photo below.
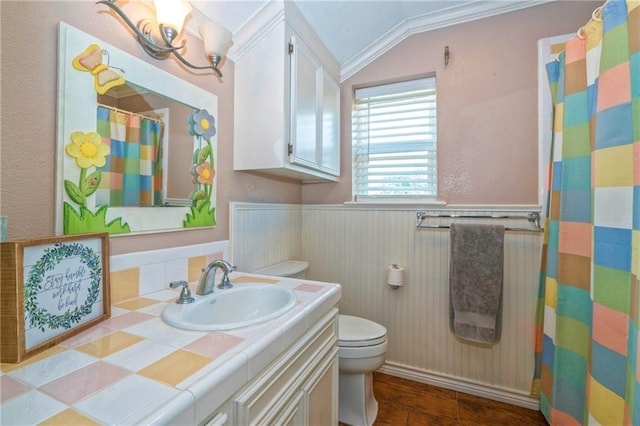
pixel 28 123
pixel 487 112
pixel 487 103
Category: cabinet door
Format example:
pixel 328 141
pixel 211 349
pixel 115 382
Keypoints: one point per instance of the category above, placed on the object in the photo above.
pixel 293 413
pixel 322 393
pixel 305 82
pixel 330 125
pixel 260 115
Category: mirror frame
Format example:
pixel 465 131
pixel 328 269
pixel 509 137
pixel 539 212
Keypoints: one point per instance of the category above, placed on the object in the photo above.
pixel 77 102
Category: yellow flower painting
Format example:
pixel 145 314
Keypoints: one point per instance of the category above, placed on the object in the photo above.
pixel 87 149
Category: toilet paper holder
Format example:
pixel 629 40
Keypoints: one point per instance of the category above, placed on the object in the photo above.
pixel 395 276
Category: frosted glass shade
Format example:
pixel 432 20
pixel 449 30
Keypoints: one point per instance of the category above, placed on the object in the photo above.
pixel 216 38
pixel 172 13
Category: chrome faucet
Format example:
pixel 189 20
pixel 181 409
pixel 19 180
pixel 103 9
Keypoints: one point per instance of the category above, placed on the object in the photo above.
pixel 207 279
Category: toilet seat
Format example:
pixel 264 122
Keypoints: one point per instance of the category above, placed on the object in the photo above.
pixel 356 332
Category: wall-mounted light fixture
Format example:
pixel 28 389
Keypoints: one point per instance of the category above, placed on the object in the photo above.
pixel 156 35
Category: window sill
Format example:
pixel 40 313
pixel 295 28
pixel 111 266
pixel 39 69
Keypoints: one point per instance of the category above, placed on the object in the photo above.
pixel 415 203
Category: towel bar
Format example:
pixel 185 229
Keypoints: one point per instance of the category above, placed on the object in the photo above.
pixel 533 217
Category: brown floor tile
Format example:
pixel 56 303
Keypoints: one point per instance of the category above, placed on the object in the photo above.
pixel 407 403
pixel 475 410
pixel 391 414
pixel 419 418
pixel 414 395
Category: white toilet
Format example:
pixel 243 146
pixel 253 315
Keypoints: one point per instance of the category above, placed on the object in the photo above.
pixel 361 347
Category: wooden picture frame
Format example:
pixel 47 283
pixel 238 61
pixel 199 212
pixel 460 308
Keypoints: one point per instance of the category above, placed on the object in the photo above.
pixel 50 289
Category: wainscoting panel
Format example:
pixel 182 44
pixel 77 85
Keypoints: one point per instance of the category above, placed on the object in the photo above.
pixel 354 246
pixel 264 234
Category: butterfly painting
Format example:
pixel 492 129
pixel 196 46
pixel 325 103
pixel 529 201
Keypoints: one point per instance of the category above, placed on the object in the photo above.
pixel 91 61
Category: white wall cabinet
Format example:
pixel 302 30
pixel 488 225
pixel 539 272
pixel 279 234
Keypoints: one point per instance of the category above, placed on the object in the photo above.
pixel 287 101
pixel 299 388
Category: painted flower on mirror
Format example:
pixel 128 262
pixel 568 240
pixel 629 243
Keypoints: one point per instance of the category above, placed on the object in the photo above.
pixel 87 149
pixel 205 173
pixel 202 127
pixel 201 123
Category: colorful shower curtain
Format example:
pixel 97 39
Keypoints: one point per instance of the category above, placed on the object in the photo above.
pixel 588 310
pixel 132 175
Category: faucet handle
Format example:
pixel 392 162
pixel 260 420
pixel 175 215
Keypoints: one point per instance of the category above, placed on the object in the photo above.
pixel 228 268
pixel 185 294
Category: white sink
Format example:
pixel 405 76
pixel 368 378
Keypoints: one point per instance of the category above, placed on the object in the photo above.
pixel 240 306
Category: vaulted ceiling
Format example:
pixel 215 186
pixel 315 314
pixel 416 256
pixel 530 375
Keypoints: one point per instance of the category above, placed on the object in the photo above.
pixel 357 30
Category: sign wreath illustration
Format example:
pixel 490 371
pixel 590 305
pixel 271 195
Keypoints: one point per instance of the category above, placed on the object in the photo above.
pixel 65 287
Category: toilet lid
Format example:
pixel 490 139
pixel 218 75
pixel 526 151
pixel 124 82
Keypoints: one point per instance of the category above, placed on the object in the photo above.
pixel 356 332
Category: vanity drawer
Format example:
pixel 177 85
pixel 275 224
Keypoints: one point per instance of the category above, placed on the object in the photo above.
pixel 278 389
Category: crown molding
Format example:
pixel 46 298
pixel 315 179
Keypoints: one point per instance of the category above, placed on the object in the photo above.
pixel 431 21
pixel 271 14
pixel 261 22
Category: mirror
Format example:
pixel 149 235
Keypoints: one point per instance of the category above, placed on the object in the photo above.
pixel 136 148
pixel 124 102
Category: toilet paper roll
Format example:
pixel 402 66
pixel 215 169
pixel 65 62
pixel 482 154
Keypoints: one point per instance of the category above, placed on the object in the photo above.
pixel 395 275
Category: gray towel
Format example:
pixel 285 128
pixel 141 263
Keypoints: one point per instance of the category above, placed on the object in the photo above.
pixel 475 280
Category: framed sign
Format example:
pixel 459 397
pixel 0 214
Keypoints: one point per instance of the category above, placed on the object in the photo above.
pixel 50 289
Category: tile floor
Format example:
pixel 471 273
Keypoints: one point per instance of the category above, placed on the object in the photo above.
pixel 405 402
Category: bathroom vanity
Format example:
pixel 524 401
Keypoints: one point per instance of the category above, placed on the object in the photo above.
pixel 299 387
pixel 134 368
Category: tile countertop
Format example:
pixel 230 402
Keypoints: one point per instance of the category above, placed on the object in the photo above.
pixel 135 369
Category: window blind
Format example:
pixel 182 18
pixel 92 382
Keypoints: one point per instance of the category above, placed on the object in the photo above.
pixel 394 140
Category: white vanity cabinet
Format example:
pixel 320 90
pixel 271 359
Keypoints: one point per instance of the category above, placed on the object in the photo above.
pixel 287 99
pixel 300 387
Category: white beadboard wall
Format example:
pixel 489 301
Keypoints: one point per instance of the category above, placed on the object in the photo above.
pixel 354 245
pixel 264 234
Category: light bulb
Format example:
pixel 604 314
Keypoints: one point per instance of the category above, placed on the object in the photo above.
pixel 172 13
pixel 216 38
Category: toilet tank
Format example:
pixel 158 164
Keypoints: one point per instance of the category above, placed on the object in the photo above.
pixel 289 268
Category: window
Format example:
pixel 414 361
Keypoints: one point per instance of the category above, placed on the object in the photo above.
pixel 394 141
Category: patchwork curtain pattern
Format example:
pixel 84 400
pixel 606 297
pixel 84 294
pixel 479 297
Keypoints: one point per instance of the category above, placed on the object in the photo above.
pixel 588 309
pixel 132 175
